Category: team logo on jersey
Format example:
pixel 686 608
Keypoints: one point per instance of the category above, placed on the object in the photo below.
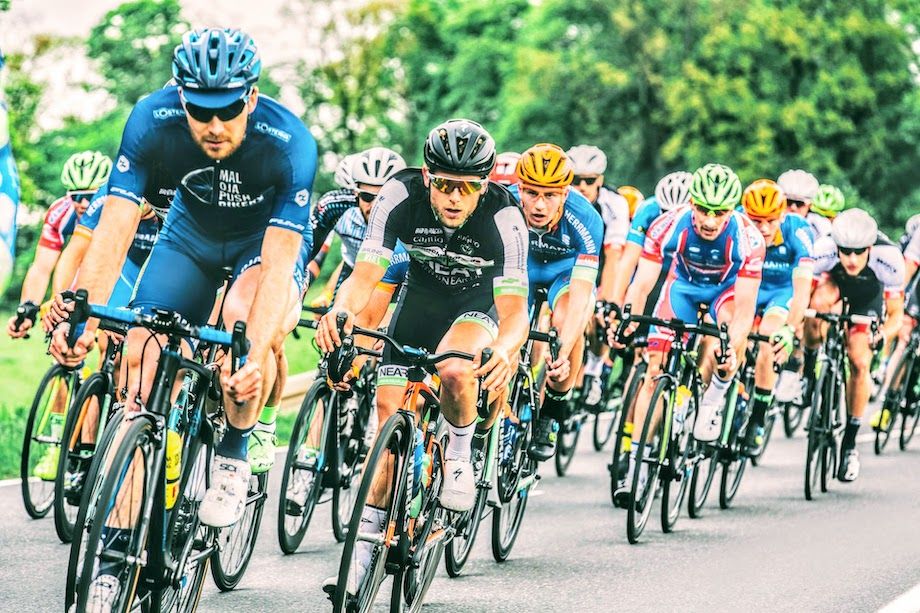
pixel 123 164
pixel 166 113
pixel 466 248
pixel 264 128
pixel 302 198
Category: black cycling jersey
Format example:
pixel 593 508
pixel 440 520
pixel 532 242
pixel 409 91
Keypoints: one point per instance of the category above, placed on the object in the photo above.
pixel 330 207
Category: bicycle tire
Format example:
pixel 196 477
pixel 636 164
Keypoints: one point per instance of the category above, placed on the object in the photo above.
pixel 349 455
pixel 637 518
pixel 65 514
pixel 396 435
pixel 139 433
pixel 506 524
pixel 290 536
pixel 731 480
pixel 601 433
pixel 39 502
pixel 569 433
pixel 680 462
pixel 705 467
pixel 91 490
pixel 816 442
pixel 793 416
pixel 894 402
pixel 458 550
pixel 228 571
pixel 632 393
pixel 513 482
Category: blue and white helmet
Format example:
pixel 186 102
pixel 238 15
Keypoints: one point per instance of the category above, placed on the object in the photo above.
pixel 216 66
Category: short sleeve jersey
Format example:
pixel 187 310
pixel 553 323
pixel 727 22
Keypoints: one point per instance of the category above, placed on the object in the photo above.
pixel 326 214
pixel 351 228
pixel 790 255
pixel 886 263
pixel 614 211
pixel 489 251
pixel 737 252
pixel 649 210
pixel 573 243
pixel 144 237
pixel 820 225
pixel 266 182
pixel 59 224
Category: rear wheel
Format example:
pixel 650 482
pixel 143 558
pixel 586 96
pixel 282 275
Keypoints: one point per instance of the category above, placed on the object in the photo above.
pixel 514 479
pixel 351 452
pixel 620 457
pixel 675 485
pixel 793 415
pixel 642 493
pixel 895 402
pixel 41 444
pixel 569 431
pixel 815 460
pixel 908 426
pixel 701 479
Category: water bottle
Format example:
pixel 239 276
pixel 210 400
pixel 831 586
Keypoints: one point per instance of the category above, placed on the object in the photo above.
pixel 173 466
pixel 415 463
pixel 681 403
pixel 740 411
pixel 526 413
pixel 509 438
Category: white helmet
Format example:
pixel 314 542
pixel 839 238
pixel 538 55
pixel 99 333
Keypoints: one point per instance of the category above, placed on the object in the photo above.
pixel 673 190
pixel 343 172
pixel 912 225
pixel 854 229
pixel 587 160
pixel 375 165
pixel 798 184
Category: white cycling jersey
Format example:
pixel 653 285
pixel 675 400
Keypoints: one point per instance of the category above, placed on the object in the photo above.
pixel 820 224
pixel 614 211
pixel 885 260
pixel 912 250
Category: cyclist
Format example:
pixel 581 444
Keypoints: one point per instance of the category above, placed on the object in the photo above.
pixel 83 174
pixel 335 201
pixel 716 258
pixel 910 229
pixel 633 197
pixel 857 263
pixel 466 289
pixel 504 172
pixel 244 168
pixel 800 188
pixel 346 212
pixel 565 246
pixel 784 290
pixel 589 165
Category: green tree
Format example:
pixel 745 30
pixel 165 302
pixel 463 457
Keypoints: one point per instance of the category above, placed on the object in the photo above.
pixel 134 43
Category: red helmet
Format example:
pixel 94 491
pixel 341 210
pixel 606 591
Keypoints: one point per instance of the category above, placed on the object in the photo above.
pixel 504 171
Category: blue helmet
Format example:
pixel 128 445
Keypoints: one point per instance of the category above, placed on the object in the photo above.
pixel 216 66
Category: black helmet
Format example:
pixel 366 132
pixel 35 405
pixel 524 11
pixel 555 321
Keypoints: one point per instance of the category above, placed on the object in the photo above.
pixel 460 146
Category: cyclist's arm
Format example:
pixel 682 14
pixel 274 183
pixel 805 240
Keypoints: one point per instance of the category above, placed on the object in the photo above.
pixel 801 295
pixel 802 274
pixel 573 328
pixel 646 275
pixel 612 256
pixel 745 309
pixel 35 285
pixel 66 270
pixel 626 267
pixel 513 323
pixel 355 293
pixel 894 316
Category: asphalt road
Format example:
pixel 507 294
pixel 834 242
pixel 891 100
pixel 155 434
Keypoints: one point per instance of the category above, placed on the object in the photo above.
pixel 853 549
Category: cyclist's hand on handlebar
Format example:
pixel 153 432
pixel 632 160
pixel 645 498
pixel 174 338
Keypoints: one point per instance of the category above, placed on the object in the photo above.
pixel 64 353
pixel 612 338
pixel 497 371
pixel 24 326
pixel 327 331
pixel 58 311
pixel 727 362
pixel 558 370
pixel 783 344
pixel 245 384
pixel 345 384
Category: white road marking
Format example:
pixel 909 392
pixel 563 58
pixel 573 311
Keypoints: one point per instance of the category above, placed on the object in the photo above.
pixel 908 602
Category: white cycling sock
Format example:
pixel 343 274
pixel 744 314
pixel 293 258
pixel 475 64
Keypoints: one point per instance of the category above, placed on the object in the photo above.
pixel 716 391
pixel 372 522
pixel 459 444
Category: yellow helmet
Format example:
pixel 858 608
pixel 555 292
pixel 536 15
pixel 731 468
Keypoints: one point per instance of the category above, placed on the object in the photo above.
pixel 545 165
pixel 633 198
pixel 764 199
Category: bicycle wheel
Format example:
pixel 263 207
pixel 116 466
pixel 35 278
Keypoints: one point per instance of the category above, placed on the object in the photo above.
pixel 350 454
pixel 732 473
pixel 605 421
pixel 237 542
pixel 815 453
pixel 514 480
pixel 506 524
pixel 354 593
pixel 41 440
pixel 701 479
pixel 76 457
pixel 131 467
pixel 569 431
pixel 303 468
pixel 677 481
pixel 457 551
pixel 894 403
pixel 910 414
pixel 642 495
pixel 620 457
pixel 793 416
pixel 769 424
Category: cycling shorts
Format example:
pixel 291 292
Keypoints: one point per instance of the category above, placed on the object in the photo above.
pixel 554 277
pixel 124 287
pixel 681 300
pixel 423 316
pixel 774 299
pixel 185 270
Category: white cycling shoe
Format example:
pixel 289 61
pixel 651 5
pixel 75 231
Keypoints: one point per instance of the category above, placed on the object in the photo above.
pixel 225 500
pixel 459 490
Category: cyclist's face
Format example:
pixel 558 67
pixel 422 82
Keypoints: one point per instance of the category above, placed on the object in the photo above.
pixel 802 207
pixel 591 191
pixel 768 228
pixel 853 262
pixel 454 207
pixel 709 225
pixel 219 139
pixel 542 205
pixel 81 199
pixel 367 196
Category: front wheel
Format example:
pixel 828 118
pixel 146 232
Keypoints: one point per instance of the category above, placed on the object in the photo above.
pixel 704 472
pixel 644 486
pixel 793 415
pixel 237 542
pixel 569 431
pixel 458 549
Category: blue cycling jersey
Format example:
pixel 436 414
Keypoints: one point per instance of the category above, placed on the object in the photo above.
pixel 399 266
pixel 266 182
pixel 144 237
pixel 649 210
pixel 791 254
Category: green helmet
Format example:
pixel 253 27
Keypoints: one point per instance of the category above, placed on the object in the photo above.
pixel 715 187
pixel 828 201
pixel 86 170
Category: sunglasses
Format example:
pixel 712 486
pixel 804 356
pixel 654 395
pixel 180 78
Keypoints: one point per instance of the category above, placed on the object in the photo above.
pixel 796 203
pixel 713 213
pixel 446 185
pixel 205 115
pixel 578 180
pixel 366 196
pixel 852 251
pixel 81 196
